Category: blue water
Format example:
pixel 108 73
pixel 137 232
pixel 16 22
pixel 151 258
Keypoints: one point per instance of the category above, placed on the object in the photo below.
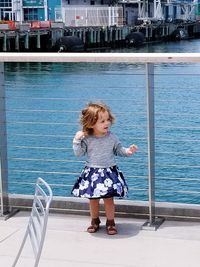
pixel 43 104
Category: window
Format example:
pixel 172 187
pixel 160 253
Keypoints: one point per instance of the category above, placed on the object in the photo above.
pixel 6 3
pixel 92 3
pixel 30 14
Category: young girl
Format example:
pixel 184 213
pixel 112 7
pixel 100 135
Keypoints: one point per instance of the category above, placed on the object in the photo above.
pixel 101 177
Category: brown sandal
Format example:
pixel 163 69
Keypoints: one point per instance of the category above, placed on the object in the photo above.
pixel 94 227
pixel 110 227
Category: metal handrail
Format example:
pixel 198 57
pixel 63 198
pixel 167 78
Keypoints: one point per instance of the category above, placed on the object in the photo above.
pixel 102 57
pixel 148 59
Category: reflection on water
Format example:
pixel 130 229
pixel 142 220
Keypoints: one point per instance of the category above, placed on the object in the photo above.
pixel 183 46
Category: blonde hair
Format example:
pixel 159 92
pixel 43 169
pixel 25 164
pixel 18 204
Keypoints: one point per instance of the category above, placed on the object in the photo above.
pixel 89 116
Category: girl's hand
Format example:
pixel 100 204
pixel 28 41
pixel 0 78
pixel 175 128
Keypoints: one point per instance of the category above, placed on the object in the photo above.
pixel 79 135
pixel 132 149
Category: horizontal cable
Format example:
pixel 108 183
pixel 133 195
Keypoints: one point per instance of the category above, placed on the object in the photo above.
pixel 117 112
pixel 66 98
pixel 160 88
pixel 59 160
pixel 42 147
pixel 62 136
pixel 69 185
pixel 178 166
pixel 178 153
pixel 138 87
pixel 130 188
pixel 34 171
pixel 78 99
pixel 138 177
pixel 60 123
pixel 179 140
pixel 177 74
pixel 140 151
pixel 179 191
pixel 177 178
pixel 43 110
pixel 57 148
pixel 28 183
pixel 46 160
pixel 66 173
pixel 41 123
pixel 101 73
pixel 111 73
pixel 177 127
pixel 182 114
pixel 45 135
pixel 173 101
pixel 137 189
pixel 67 111
pixel 129 126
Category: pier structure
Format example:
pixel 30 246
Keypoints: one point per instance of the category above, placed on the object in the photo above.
pixel 43 37
pixel 37 25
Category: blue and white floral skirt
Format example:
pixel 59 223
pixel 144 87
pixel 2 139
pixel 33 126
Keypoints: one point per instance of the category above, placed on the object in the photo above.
pixel 100 183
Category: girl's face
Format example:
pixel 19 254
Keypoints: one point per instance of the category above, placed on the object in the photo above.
pixel 102 125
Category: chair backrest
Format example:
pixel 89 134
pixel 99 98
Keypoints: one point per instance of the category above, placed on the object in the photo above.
pixel 37 224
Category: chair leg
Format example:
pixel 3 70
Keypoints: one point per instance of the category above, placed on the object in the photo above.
pixel 20 250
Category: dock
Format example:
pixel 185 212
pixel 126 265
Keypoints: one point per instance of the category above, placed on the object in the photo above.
pixel 42 36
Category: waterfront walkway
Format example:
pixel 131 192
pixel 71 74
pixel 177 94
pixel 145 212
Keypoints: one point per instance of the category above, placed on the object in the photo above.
pixel 174 244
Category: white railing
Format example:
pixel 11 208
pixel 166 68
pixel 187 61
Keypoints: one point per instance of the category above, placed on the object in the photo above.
pixel 148 59
pixel 90 16
pixel 102 57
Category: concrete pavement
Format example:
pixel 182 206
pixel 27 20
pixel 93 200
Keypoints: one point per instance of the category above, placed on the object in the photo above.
pixel 174 244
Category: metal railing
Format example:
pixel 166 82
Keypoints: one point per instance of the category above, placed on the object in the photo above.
pixel 90 16
pixel 3 147
pixel 147 114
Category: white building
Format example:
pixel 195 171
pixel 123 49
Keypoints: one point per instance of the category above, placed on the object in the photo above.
pixel 89 13
pixel 155 10
pixel 98 12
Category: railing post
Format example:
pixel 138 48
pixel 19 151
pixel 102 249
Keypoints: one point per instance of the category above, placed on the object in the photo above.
pixel 5 212
pixel 3 148
pixel 153 223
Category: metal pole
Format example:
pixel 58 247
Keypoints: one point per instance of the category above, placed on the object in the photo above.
pixel 45 10
pixel 21 12
pixel 12 10
pixel 153 223
pixel 5 211
pixel 3 148
pixel 151 138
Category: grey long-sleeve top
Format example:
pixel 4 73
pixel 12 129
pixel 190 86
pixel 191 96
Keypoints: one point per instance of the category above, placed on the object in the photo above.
pixel 100 151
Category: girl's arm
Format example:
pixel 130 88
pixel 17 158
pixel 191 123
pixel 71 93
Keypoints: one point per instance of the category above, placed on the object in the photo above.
pixel 119 150
pixel 79 144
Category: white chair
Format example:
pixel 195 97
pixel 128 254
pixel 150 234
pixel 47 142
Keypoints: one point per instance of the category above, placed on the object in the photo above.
pixel 37 224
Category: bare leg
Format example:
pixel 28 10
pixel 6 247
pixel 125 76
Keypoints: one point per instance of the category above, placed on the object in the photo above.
pixel 94 208
pixel 94 213
pixel 110 214
pixel 109 208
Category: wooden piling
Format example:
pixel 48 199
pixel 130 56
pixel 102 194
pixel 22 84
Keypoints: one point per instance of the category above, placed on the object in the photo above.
pixel 26 41
pixel 5 42
pixel 38 40
pixel 17 41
